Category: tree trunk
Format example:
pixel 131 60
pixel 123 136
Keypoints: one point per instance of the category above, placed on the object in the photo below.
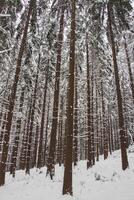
pixel 76 119
pixel 60 135
pixel 51 159
pixel 89 162
pixel 34 164
pixel 3 125
pixel 12 101
pixel 17 136
pixel 119 96
pixel 32 120
pixel 46 132
pixel 105 136
pixel 39 164
pixel 67 182
pixel 25 138
pixel 97 125
pixel 92 119
pixel 129 69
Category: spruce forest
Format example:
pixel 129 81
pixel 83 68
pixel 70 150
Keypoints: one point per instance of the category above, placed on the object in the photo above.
pixel 66 99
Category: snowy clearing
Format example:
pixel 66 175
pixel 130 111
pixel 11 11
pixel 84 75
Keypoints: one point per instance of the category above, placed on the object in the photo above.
pixel 104 181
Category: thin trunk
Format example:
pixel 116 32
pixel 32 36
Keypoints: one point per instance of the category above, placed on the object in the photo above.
pixel 129 69
pixel 32 120
pixel 46 132
pixel 76 119
pixel 105 136
pixel 89 162
pixel 3 125
pixel 25 138
pixel 60 135
pixel 111 133
pixel 39 164
pixel 97 124
pixel 51 159
pixel 92 119
pixel 125 113
pixel 101 134
pixel 34 164
pixel 17 136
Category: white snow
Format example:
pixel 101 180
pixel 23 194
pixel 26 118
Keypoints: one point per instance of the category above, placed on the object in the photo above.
pixel 104 181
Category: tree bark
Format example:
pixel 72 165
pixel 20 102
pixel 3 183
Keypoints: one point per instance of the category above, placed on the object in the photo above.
pixel 76 119
pixel 105 136
pixel 32 120
pixel 89 155
pixel 39 164
pixel 17 136
pixel 129 69
pixel 25 138
pixel 67 182
pixel 119 96
pixel 51 159
pixel 46 132
pixel 12 101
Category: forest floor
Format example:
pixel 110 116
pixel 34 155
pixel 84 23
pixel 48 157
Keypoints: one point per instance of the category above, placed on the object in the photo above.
pixel 104 181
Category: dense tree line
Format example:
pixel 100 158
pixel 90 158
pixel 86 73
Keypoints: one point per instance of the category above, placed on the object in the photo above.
pixel 67 84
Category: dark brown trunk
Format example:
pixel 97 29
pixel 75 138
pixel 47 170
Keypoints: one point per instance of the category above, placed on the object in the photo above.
pixel 51 159
pixel 32 120
pixel 101 134
pixel 111 133
pixel 34 164
pixel 105 136
pixel 67 182
pixel 97 125
pixel 125 113
pixel 119 96
pixel 46 132
pixel 60 135
pixel 12 101
pixel 89 162
pixel 76 119
pixel 39 164
pixel 92 118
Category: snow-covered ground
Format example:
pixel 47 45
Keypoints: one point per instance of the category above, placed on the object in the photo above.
pixel 105 181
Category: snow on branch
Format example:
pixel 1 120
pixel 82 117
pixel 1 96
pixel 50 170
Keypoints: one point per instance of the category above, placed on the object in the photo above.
pixel 5 15
pixel 6 50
